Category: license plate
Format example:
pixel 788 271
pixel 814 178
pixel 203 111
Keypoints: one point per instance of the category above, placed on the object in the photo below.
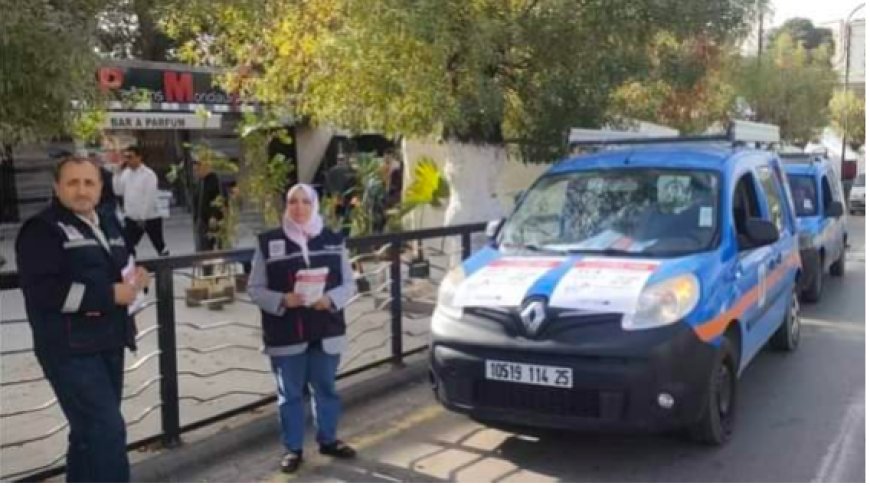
pixel 529 374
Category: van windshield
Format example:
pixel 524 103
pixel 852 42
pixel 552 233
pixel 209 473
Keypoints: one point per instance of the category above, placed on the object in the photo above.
pixel 617 211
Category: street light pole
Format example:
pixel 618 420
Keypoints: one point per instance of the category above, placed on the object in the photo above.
pixel 848 46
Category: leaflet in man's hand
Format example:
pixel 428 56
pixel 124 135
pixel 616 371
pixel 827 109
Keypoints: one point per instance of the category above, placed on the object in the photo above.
pixel 310 284
pixel 129 276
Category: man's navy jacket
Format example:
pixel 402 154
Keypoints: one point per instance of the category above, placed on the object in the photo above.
pixel 67 277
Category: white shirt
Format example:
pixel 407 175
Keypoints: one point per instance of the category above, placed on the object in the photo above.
pixel 139 190
pixel 95 227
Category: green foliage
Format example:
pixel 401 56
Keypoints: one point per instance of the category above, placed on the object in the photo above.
pixel 804 33
pixel 684 86
pixel 263 179
pixel 87 125
pixel 128 29
pixel 481 71
pixel 788 86
pixel 847 114
pixel 428 187
pixel 48 63
pixel 368 195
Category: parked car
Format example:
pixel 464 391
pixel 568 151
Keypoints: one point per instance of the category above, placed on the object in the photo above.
pixel 856 196
pixel 628 289
pixel 818 200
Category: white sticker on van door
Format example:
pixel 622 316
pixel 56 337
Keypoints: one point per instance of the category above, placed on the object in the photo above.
pixel 503 282
pixel 603 285
pixel 705 217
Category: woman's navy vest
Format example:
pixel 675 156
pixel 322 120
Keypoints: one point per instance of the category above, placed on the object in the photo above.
pixel 283 259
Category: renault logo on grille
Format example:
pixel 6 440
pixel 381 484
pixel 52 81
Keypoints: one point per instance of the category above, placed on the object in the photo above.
pixel 533 315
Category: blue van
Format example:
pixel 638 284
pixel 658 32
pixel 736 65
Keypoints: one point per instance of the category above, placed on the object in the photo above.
pixel 820 208
pixel 628 289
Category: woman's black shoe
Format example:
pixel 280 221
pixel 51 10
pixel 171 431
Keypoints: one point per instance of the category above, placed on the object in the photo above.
pixel 338 449
pixel 290 462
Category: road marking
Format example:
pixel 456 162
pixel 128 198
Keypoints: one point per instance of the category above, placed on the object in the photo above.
pixel 841 326
pixel 841 451
pixel 362 441
pixel 408 422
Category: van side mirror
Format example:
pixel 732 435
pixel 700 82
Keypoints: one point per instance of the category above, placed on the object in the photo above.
pixel 761 232
pixel 492 228
pixel 834 210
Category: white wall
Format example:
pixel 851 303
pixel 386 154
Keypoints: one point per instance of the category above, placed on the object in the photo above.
pixel 503 179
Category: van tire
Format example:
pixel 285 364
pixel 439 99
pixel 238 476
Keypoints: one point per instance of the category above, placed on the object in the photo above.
pixel 813 292
pixel 720 403
pixel 839 267
pixel 788 335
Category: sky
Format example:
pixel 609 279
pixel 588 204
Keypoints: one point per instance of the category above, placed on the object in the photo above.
pixel 819 11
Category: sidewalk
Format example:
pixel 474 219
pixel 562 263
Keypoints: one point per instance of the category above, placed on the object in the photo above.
pixel 248 448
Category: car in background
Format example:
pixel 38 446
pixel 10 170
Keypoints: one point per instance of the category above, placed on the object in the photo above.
pixel 857 196
pixel 818 201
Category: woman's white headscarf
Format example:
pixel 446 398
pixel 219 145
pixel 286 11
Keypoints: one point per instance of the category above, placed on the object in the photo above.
pixel 301 233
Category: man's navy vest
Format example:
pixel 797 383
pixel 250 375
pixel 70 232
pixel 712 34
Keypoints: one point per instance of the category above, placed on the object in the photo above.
pixel 85 261
pixel 283 259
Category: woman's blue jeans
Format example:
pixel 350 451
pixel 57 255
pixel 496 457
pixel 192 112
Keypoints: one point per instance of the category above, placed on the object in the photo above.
pixel 317 369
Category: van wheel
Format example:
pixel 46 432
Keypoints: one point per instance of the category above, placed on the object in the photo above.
pixel 788 336
pixel 717 421
pixel 839 266
pixel 814 291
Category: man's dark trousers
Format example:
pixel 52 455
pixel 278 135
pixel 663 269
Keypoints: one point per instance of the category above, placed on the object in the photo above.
pixel 89 389
pixel 133 230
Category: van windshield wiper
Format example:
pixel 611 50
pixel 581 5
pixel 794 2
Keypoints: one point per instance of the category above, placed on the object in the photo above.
pixel 534 247
pixel 612 252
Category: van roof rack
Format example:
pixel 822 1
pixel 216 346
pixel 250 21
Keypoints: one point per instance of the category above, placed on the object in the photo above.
pixel 738 133
pixel 802 157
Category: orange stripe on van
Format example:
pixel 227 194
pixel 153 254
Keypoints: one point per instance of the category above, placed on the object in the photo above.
pixel 717 325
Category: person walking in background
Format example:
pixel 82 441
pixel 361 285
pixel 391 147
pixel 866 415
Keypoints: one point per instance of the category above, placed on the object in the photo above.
pixel 136 183
pixel 77 279
pixel 301 279
pixel 206 214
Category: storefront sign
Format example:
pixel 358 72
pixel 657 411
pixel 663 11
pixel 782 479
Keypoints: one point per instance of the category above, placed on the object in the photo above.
pixel 167 85
pixel 127 120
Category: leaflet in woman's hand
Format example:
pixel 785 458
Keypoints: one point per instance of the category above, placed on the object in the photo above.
pixel 310 284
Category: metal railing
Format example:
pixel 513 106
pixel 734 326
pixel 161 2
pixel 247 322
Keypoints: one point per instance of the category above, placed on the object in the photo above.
pixel 387 252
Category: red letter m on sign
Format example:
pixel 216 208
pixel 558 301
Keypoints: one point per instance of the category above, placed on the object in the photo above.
pixel 178 87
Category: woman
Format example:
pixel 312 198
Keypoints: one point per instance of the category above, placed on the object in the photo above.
pixel 303 326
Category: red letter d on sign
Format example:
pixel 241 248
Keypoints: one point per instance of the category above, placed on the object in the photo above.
pixel 110 78
pixel 178 87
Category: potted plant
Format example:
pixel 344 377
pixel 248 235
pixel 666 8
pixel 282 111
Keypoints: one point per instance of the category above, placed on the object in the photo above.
pixel 428 188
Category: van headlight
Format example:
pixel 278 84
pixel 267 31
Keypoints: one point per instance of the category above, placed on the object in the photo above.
pixel 447 292
pixel 664 303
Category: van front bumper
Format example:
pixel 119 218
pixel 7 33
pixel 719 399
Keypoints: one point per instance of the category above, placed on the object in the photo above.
pixel 621 379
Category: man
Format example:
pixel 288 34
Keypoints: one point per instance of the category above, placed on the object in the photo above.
pixel 136 183
pixel 71 260
pixel 206 215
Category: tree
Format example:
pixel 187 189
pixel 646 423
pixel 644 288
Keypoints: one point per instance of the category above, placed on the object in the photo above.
pixel 129 29
pixel 477 74
pixel 685 87
pixel 804 32
pixel 48 64
pixel 848 109
pixel 788 86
